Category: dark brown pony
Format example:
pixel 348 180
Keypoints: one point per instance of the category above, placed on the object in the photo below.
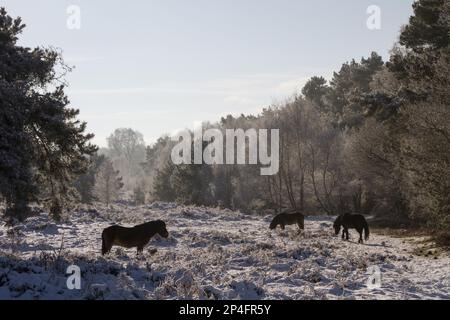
pixel 137 236
pixel 352 221
pixel 288 218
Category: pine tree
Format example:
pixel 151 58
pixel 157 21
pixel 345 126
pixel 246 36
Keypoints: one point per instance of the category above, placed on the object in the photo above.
pixel 107 183
pixel 85 183
pixel 428 28
pixel 191 184
pixel 315 90
pixel 43 147
pixel 162 186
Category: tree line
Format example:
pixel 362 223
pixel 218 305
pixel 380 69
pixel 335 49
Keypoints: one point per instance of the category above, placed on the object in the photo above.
pixel 374 139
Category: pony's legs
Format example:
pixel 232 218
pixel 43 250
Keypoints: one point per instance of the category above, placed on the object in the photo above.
pixel 301 228
pixel 360 236
pixel 106 246
pixel 343 234
pixel 347 236
pixel 283 226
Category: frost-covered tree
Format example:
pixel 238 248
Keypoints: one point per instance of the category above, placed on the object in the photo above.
pixel 404 157
pixel 139 193
pixel 107 183
pixel 127 143
pixel 43 146
pixel 126 148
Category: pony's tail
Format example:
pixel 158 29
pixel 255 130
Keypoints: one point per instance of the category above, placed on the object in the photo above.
pixel 366 230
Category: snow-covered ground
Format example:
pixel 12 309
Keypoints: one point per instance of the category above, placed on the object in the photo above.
pixel 211 254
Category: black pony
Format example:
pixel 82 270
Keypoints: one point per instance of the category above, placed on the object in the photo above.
pixel 352 221
pixel 288 217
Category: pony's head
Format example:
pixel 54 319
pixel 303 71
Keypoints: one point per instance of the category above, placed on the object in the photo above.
pixel 337 225
pixel 161 228
pixel 273 224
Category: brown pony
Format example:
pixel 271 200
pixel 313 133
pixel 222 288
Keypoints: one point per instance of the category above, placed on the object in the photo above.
pixel 137 236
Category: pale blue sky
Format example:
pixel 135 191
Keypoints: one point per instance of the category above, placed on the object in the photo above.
pixel 158 66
